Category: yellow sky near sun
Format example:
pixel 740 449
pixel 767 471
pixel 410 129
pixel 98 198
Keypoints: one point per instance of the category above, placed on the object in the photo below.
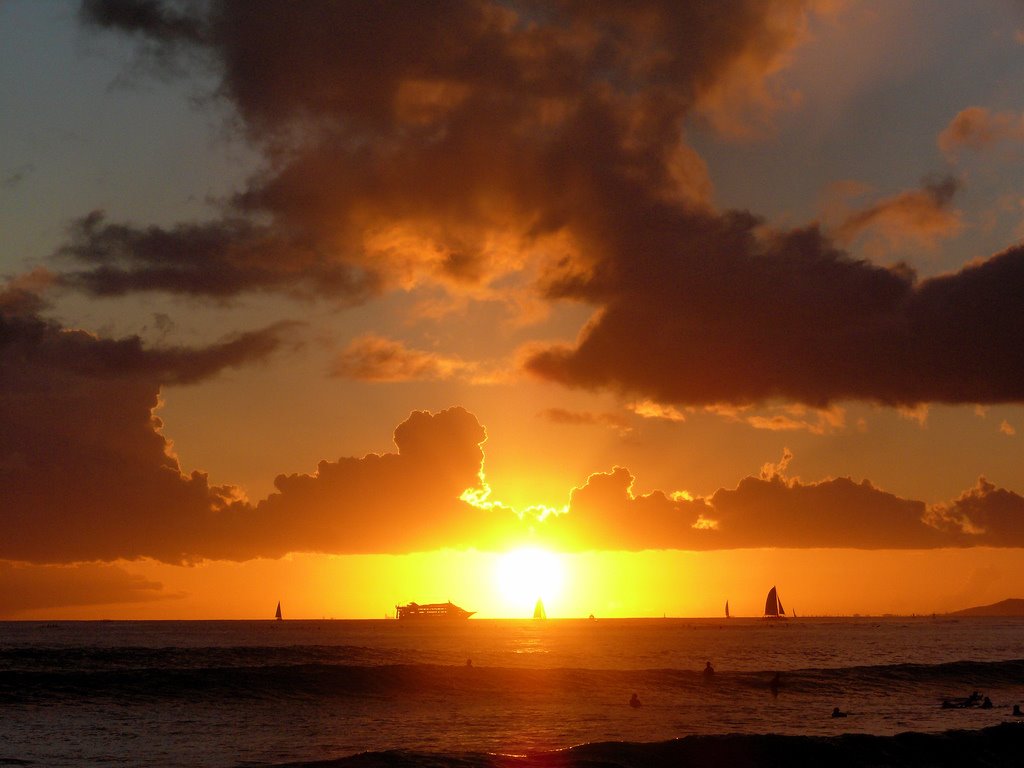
pixel 606 584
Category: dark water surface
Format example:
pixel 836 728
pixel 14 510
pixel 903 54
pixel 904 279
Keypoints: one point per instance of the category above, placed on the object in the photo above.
pixel 265 693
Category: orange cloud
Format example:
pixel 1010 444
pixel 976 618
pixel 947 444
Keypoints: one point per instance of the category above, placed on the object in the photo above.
pixel 374 358
pixel 790 417
pixel 917 216
pixel 648 409
pixel 979 129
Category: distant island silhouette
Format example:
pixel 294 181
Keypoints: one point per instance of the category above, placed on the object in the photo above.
pixel 1013 606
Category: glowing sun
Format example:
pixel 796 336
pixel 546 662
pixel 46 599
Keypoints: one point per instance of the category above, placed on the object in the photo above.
pixel 524 575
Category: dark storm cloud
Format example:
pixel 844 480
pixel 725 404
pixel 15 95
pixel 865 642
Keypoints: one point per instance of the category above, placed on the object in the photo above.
pixel 789 317
pixel 401 138
pixel 218 259
pixel 151 16
pixel 774 511
pixel 23 295
pixel 987 514
pixel 28 588
pixel 86 473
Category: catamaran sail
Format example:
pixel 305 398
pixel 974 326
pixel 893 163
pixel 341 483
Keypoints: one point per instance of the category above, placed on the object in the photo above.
pixel 538 610
pixel 773 605
pixel 277 613
pixel 727 609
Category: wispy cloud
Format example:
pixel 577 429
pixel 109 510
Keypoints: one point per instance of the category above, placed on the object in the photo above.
pixel 375 358
pixel 979 128
pixel 916 217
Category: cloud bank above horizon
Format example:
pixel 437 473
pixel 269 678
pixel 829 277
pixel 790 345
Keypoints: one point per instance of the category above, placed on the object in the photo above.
pixel 88 475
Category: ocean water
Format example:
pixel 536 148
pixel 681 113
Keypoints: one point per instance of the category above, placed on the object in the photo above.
pixel 241 693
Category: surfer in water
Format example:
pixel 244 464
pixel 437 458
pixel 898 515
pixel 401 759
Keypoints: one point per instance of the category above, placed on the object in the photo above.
pixel 709 671
pixel 838 713
pixel 634 701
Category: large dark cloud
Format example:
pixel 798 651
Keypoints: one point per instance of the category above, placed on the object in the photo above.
pixel 84 471
pixel 402 138
pixel 985 513
pixel 791 318
pixel 214 259
pixel 86 474
pixel 29 588
pixel 771 510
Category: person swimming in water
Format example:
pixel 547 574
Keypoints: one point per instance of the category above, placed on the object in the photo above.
pixel 838 713
pixel 708 670
pixel 634 701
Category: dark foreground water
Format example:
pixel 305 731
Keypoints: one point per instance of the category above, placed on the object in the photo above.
pixel 366 693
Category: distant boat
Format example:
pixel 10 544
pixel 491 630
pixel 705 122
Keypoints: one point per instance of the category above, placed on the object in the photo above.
pixel 773 606
pixel 538 610
pixel 431 611
pixel 727 609
pixel 277 613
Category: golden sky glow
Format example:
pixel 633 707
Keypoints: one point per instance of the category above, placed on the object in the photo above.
pixel 635 309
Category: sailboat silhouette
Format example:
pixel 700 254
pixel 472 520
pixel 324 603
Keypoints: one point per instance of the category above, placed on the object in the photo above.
pixel 727 609
pixel 773 606
pixel 277 613
pixel 538 610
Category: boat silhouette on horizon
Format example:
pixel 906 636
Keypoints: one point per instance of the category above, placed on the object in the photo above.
pixel 773 606
pixel 431 611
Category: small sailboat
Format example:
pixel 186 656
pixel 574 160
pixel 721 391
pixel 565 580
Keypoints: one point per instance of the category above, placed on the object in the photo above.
pixel 773 606
pixel 727 609
pixel 277 613
pixel 538 610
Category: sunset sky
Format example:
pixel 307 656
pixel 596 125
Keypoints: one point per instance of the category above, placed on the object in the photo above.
pixel 638 307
